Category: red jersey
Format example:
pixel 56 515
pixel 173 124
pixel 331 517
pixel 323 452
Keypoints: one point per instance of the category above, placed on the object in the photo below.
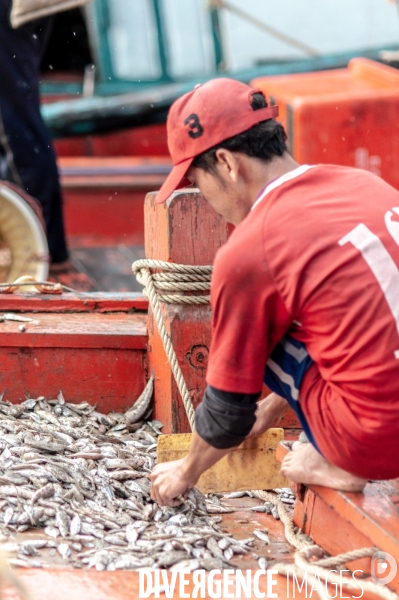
pixel 318 258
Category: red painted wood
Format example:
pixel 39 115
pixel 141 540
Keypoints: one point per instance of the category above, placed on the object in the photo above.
pixel 77 331
pixel 88 302
pixel 289 420
pixel 140 141
pixel 112 379
pixel 184 230
pixel 90 357
pixel 119 585
pixel 330 530
pixel 105 212
pixel 105 197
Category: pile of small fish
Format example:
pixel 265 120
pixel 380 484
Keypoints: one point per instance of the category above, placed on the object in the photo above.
pixel 81 480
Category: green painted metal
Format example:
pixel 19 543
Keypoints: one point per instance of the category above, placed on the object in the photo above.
pixel 217 38
pixel 162 47
pixel 98 32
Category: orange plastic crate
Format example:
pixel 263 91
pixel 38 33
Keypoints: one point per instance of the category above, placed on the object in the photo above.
pixel 344 116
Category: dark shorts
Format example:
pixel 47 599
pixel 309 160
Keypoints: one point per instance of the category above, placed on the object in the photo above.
pixel 284 372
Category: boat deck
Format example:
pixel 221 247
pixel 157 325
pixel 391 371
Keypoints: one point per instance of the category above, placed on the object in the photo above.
pixel 61 582
pixel 106 268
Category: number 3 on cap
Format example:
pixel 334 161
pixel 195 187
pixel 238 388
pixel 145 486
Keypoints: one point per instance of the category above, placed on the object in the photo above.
pixel 196 129
pixel 381 264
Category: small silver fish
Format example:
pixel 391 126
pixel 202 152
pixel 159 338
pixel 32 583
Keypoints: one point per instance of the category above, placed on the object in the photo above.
pixel 261 535
pixel 140 407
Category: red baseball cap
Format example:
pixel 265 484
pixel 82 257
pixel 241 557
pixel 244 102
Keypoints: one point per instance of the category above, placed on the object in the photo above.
pixel 211 113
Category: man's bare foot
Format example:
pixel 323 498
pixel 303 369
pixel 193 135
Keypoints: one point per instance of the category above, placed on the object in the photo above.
pixel 305 465
pixel 269 413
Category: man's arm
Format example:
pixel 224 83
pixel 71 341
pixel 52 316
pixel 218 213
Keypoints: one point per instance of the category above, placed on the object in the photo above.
pixel 176 478
pixel 222 421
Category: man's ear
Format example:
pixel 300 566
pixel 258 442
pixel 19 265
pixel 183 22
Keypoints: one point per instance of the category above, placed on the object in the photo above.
pixel 227 165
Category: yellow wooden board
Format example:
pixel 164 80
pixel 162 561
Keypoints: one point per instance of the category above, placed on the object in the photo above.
pixel 250 466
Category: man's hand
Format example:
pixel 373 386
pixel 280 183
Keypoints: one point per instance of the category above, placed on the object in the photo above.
pixel 268 414
pixel 168 482
pixel 176 478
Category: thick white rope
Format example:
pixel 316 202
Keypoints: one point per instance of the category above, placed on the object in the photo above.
pixel 177 278
pixel 306 550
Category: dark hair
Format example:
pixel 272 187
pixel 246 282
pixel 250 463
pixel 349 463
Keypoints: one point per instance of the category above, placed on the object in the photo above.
pixel 263 141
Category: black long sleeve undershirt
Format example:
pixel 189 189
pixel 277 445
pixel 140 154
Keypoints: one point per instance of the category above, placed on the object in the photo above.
pixel 224 419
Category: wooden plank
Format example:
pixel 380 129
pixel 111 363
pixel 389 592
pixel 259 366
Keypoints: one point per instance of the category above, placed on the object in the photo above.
pixel 184 230
pixel 330 530
pixel 77 331
pixel 372 514
pixel 120 585
pixel 110 378
pixel 87 302
pixel 252 465
pixel 109 267
pixel 124 585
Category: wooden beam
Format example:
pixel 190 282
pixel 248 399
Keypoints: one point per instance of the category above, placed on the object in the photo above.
pixel 184 230
pixel 103 302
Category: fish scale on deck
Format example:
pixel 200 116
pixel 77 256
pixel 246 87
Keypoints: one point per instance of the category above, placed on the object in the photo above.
pixel 81 478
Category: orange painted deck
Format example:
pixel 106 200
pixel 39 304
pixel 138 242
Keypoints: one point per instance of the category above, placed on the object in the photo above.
pixel 67 584
pixel 343 521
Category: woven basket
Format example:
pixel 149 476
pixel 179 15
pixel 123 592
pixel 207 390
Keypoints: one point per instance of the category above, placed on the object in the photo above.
pixel 28 10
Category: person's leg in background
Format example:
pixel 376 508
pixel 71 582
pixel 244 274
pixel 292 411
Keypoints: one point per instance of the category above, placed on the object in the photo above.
pixel 27 155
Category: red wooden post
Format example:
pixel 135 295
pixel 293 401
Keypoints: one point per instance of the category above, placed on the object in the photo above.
pixel 184 230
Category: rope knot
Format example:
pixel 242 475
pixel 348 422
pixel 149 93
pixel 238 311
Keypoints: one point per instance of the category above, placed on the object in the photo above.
pixel 173 279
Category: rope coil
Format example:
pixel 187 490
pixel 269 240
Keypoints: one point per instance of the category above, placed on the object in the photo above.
pixel 176 279
pixel 323 567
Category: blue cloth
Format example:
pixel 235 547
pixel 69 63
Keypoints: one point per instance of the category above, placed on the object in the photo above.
pixel 284 372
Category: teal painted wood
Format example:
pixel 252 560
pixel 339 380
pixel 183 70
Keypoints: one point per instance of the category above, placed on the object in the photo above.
pixel 163 58
pixel 217 38
pixel 114 107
